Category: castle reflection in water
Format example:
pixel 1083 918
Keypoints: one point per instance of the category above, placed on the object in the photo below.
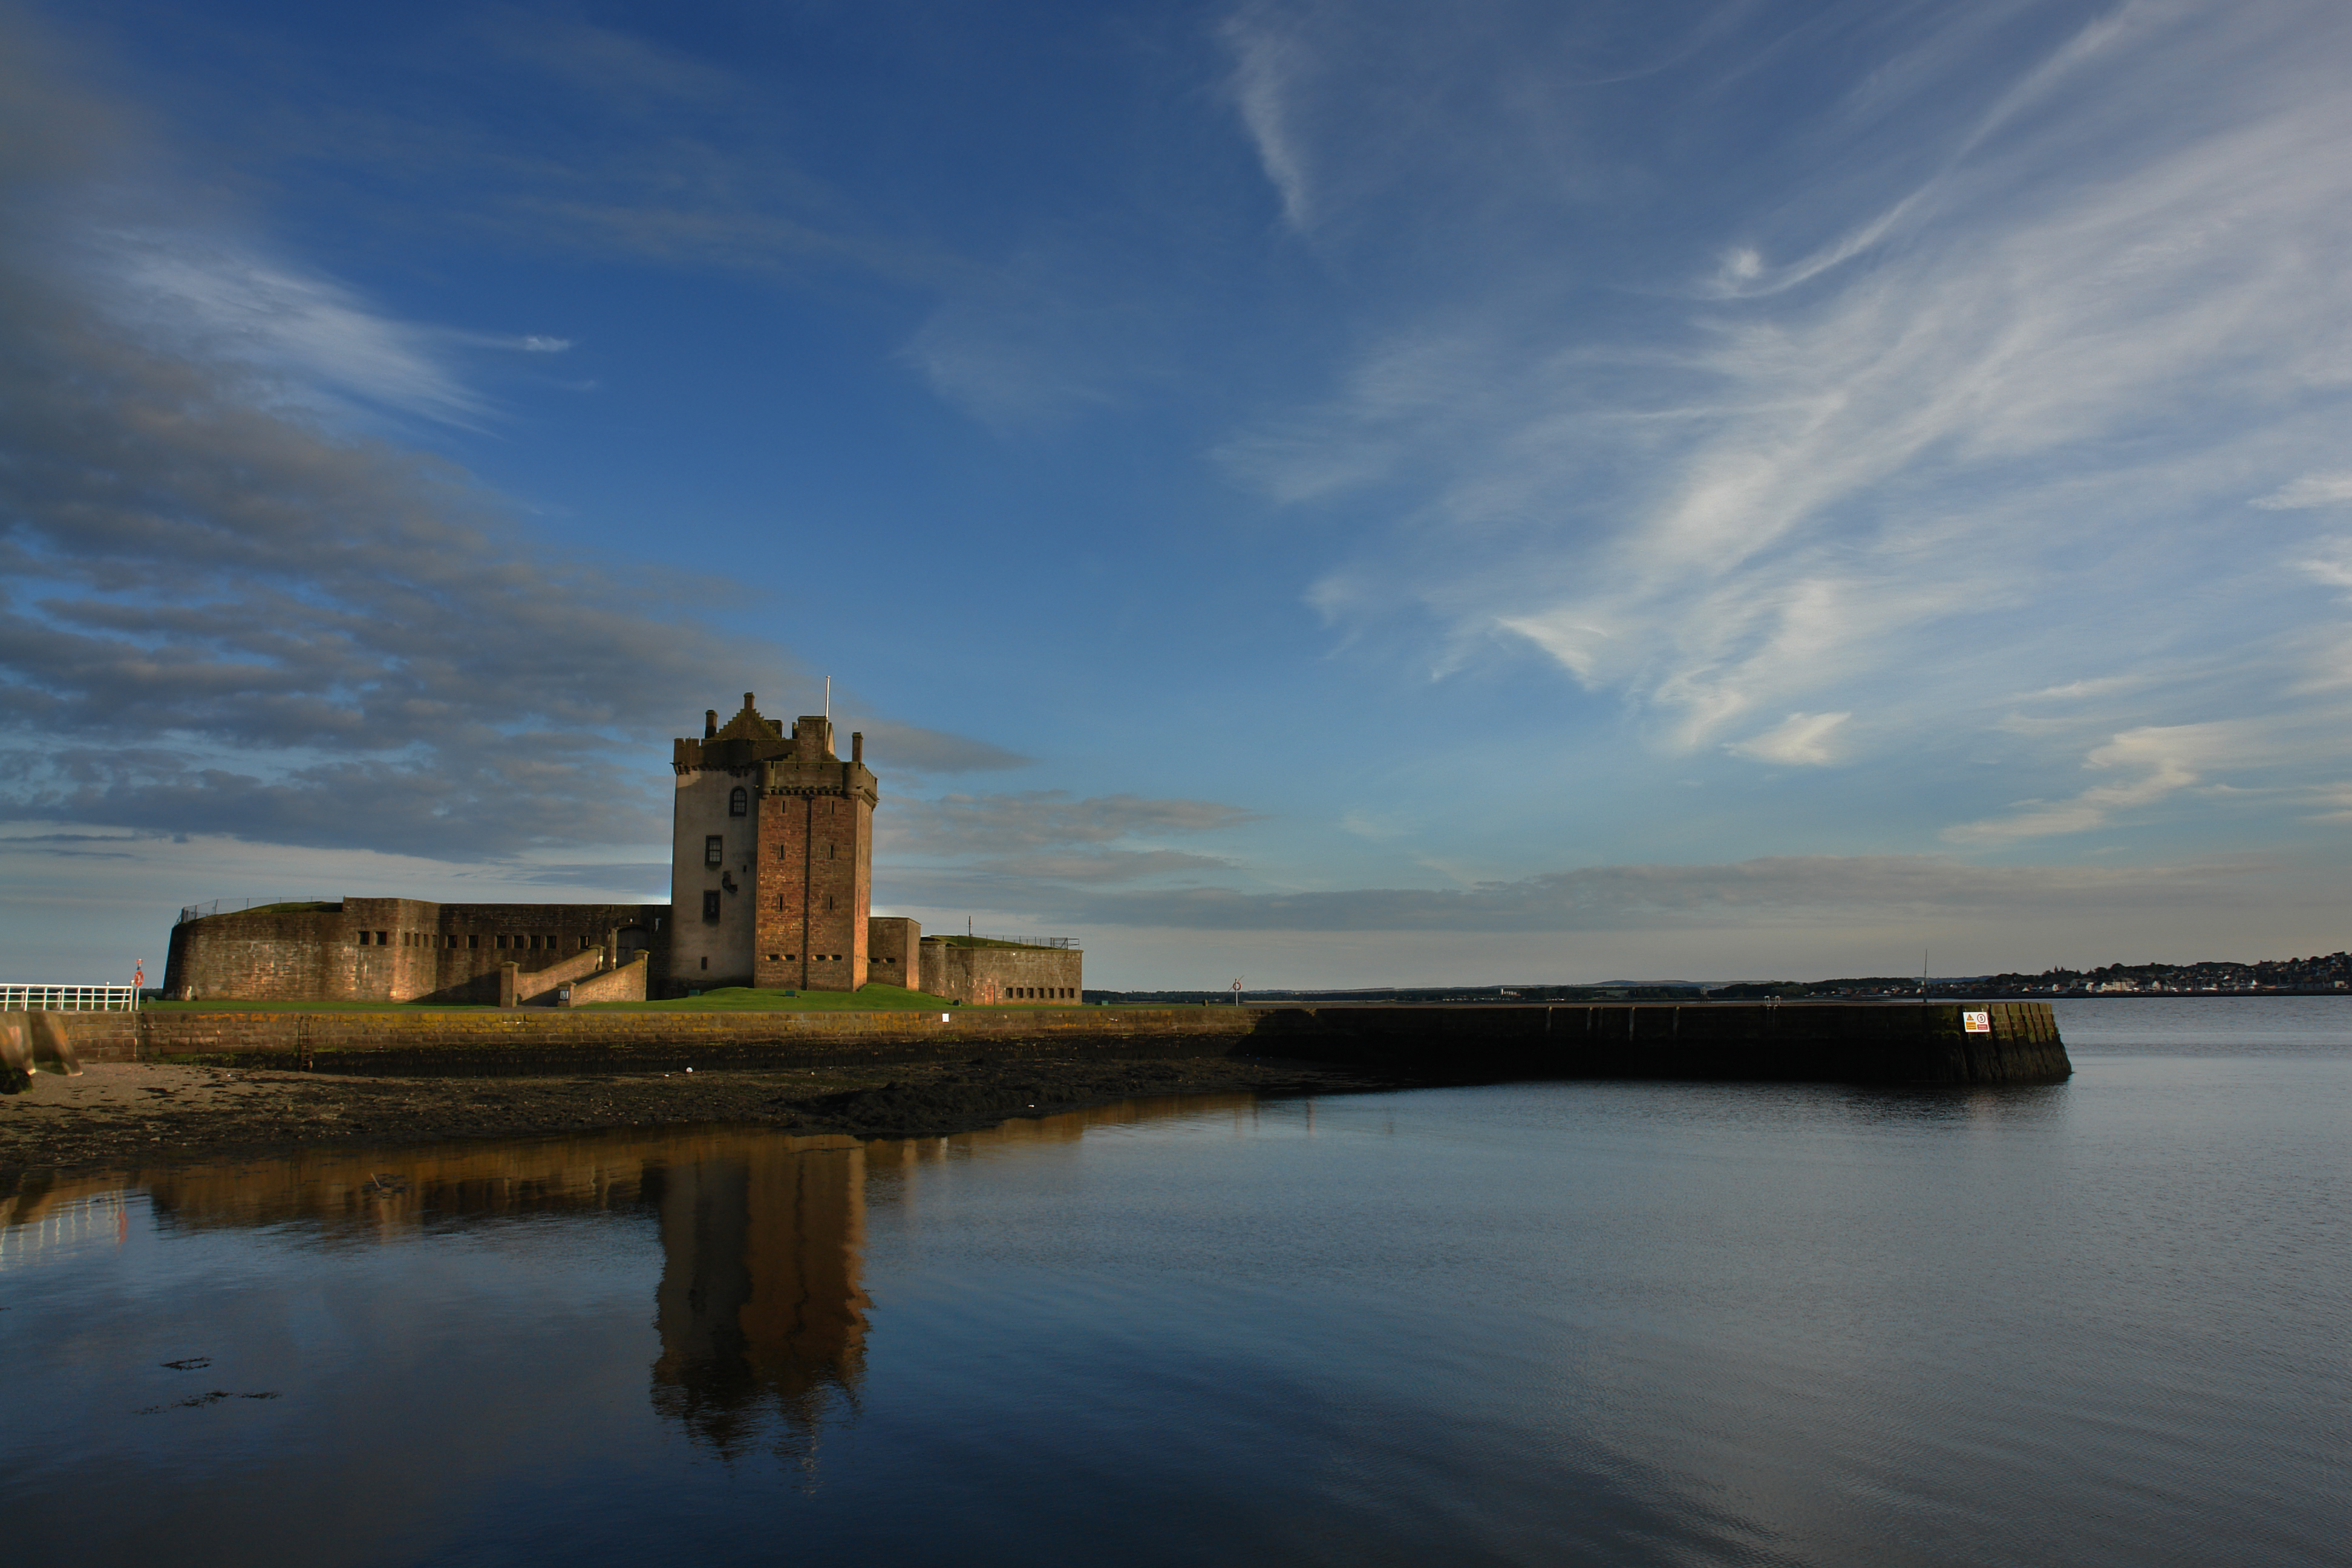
pixel 759 1311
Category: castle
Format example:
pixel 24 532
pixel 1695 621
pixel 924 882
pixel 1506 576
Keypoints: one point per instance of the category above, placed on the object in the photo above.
pixel 772 859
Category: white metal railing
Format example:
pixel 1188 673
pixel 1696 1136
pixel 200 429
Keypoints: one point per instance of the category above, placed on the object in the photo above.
pixel 1070 942
pixel 68 998
pixel 100 1217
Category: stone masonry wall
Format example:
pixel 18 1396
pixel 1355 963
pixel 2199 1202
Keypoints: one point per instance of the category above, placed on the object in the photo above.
pixel 1826 1042
pixel 893 951
pixel 812 890
pixel 390 950
pixel 987 975
pixel 711 939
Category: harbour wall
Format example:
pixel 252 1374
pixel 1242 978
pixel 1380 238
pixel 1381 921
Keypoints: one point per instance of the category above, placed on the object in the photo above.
pixel 1825 1042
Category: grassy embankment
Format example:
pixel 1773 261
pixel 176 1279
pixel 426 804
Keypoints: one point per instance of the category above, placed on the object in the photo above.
pixel 231 1005
pixel 728 999
pixel 755 999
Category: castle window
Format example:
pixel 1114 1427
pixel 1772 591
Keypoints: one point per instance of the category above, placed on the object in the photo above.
pixel 738 802
pixel 363 939
pixel 714 850
pixel 473 941
pixel 710 905
pixel 705 963
pixel 828 900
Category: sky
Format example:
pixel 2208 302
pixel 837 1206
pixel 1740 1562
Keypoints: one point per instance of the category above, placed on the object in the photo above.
pixel 1323 494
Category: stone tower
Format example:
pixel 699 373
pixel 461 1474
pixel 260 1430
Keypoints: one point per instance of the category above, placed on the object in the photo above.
pixel 772 856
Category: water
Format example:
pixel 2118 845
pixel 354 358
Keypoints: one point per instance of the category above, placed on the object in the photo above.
pixel 2105 1323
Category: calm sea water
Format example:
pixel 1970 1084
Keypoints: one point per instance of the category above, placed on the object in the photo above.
pixel 2108 1322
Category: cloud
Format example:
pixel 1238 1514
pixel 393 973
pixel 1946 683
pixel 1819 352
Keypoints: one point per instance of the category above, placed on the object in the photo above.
pixel 991 881
pixel 230 607
pixel 1800 739
pixel 2168 759
pixel 1989 422
pixel 2311 491
pixel 549 133
pixel 1037 340
pixel 1268 63
pixel 307 339
pixel 912 749
pixel 1842 891
pixel 1038 820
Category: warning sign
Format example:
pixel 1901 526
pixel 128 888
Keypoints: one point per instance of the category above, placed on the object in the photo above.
pixel 1977 1023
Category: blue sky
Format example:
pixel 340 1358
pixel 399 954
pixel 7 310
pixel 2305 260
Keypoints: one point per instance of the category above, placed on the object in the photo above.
pixel 1331 494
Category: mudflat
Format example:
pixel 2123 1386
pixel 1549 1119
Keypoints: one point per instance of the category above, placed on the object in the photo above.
pixel 115 1114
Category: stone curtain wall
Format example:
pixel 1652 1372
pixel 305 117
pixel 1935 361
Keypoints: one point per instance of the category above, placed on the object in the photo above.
pixel 264 955
pixel 893 951
pixel 390 950
pixel 1048 976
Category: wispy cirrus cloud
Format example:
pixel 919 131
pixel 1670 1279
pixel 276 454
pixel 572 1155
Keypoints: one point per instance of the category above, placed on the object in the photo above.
pixel 1972 404
pixel 2310 490
pixel 305 338
pixel 1805 739
pixel 2284 758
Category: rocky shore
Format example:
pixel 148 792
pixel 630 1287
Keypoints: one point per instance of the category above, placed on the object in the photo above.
pixel 118 1114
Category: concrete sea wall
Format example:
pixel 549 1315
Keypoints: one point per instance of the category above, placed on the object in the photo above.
pixel 1827 1042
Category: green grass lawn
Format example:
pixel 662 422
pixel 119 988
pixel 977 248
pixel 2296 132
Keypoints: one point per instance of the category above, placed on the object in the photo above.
pixel 230 1005
pixel 752 999
pixel 726 999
